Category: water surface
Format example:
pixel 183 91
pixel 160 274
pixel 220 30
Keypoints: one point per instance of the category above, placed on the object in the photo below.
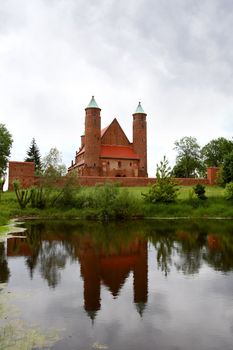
pixel 139 285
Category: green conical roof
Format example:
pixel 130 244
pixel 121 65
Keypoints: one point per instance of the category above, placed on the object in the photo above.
pixel 92 103
pixel 139 109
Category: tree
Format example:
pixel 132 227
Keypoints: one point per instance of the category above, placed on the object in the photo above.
pixel 215 151
pixel 165 189
pixel 33 155
pixel 188 160
pixel 52 165
pixel 5 147
pixel 227 168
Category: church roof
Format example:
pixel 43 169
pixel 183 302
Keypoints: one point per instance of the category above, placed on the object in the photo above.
pixel 92 103
pixel 139 109
pixel 123 152
pixel 104 130
pixel 117 125
pixel 109 151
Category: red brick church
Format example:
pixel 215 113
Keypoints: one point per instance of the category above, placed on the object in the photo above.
pixel 108 152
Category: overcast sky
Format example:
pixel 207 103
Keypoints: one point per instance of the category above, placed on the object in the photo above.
pixel 175 56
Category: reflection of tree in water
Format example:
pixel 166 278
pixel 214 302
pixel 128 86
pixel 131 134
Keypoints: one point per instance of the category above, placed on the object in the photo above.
pixel 34 241
pixel 4 269
pixel 52 258
pixel 184 245
pixel 164 245
pixel 187 246
pixel 186 254
pixel 220 251
pixel 190 251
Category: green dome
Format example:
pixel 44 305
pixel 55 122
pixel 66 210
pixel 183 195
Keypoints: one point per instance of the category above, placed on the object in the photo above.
pixel 92 103
pixel 139 109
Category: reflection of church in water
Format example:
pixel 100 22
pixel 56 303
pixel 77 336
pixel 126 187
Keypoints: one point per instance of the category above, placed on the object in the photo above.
pixel 99 267
pixel 112 270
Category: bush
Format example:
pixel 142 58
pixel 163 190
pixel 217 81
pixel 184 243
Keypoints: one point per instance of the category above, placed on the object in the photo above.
pixel 108 201
pixel 104 200
pixel 23 196
pixel 38 198
pixel 165 189
pixel 67 194
pixel 229 191
pixel 199 190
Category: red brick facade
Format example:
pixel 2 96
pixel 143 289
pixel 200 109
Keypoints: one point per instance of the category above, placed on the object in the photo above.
pixel 212 174
pixel 108 152
pixel 22 171
pixel 140 141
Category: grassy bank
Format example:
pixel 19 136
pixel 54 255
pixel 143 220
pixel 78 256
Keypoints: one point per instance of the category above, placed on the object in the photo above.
pixel 97 203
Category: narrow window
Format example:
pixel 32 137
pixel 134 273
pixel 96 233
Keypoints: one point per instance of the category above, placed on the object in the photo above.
pixel 119 164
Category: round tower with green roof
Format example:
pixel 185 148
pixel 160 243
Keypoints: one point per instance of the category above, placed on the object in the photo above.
pixel 140 139
pixel 92 139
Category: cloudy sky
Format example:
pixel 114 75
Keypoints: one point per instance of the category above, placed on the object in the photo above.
pixel 175 56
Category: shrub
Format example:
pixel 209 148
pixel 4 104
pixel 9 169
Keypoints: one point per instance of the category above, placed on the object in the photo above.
pixel 67 194
pixel 107 202
pixel 229 191
pixel 23 196
pixel 165 189
pixel 38 198
pixel 199 190
pixel 104 200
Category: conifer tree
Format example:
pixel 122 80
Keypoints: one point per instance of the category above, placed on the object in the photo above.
pixel 33 155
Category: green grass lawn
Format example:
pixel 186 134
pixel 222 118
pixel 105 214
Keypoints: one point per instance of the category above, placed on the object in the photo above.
pixel 185 206
pixel 184 191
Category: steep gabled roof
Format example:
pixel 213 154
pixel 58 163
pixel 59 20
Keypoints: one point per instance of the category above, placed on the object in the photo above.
pixel 104 130
pixel 117 130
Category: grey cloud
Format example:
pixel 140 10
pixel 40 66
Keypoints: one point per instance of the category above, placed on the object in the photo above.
pixel 175 55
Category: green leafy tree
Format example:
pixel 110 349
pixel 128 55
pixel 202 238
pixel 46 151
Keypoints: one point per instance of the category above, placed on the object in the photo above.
pixel 33 155
pixel 52 165
pixel 5 147
pixel 165 188
pixel 188 161
pixel 215 151
pixel 227 168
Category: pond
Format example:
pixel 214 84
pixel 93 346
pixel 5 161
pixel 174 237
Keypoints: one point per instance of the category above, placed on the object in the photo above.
pixel 133 285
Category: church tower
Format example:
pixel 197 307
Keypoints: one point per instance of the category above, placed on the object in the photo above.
pixel 92 139
pixel 140 139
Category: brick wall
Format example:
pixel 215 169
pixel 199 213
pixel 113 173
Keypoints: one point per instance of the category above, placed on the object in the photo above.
pixel 25 173
pixel 135 181
pixel 212 175
pixel 22 171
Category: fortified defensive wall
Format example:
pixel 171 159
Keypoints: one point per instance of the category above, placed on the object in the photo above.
pixel 25 173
